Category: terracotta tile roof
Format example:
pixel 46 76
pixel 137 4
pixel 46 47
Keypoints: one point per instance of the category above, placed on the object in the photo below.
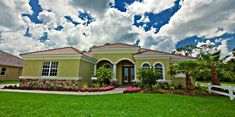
pixel 144 51
pixel 65 50
pixel 115 45
pixel 7 59
pixel 90 54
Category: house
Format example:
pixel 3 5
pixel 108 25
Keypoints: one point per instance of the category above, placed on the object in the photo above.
pixel 69 66
pixel 10 66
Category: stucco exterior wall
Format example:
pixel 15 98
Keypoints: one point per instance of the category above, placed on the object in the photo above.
pixel 86 71
pixel 152 62
pixel 66 68
pixel 11 73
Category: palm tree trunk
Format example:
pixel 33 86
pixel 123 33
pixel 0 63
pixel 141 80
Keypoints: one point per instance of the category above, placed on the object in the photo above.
pixel 189 84
pixel 214 77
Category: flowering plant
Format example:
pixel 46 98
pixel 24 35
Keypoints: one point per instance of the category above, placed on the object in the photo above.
pixel 131 89
pixel 96 89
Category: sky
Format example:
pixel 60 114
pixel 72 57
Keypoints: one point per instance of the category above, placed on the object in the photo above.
pixel 31 25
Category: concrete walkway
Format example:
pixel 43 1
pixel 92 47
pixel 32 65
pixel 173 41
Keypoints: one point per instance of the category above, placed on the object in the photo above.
pixel 117 90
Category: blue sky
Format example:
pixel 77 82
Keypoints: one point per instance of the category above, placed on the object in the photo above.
pixel 158 24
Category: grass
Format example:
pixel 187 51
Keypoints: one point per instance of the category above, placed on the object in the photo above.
pixel 9 81
pixel 222 83
pixel 118 105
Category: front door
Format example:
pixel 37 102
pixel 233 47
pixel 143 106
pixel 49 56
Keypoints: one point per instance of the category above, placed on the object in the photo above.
pixel 128 74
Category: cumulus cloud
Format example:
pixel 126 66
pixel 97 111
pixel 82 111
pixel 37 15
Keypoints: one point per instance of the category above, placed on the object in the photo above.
pixel 154 6
pixel 10 14
pixel 195 17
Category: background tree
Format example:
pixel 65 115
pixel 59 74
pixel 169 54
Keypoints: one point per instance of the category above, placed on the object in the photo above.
pixel 213 63
pixel 148 76
pixel 103 74
pixel 188 68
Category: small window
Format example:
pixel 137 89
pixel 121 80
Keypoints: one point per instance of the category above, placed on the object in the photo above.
pixel 145 65
pixel 3 71
pixel 49 69
pixel 108 66
pixel 159 68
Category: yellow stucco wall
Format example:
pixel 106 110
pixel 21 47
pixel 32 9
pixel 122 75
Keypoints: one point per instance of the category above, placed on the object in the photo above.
pixel 86 71
pixel 152 62
pixel 114 57
pixel 11 73
pixel 66 68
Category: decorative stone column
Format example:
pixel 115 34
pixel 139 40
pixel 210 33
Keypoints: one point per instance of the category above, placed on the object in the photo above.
pixel 114 71
pixel 94 70
pixel 135 70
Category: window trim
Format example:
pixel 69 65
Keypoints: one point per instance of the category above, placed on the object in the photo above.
pixel 49 72
pixel 163 69
pixel 4 71
pixel 145 63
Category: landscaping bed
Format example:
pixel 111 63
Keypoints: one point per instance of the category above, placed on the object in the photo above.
pixel 81 89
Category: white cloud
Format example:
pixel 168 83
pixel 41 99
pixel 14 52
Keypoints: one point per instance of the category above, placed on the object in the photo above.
pixel 154 6
pixel 10 13
pixel 198 17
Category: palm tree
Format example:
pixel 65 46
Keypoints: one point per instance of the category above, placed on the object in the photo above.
pixel 213 63
pixel 188 68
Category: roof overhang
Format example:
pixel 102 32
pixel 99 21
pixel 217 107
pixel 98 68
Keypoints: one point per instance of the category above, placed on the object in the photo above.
pixel 116 50
pixel 60 57
pixel 148 56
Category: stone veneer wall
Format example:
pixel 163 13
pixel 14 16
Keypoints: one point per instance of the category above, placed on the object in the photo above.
pixel 50 84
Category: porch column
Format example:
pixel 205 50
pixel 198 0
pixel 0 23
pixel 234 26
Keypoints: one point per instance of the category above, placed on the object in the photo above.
pixel 94 70
pixel 135 73
pixel 114 71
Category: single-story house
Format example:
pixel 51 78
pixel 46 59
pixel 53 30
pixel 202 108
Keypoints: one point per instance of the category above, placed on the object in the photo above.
pixel 10 66
pixel 68 66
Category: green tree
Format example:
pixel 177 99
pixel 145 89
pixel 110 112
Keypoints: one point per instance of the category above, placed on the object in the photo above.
pixel 148 76
pixel 103 73
pixel 186 67
pixel 213 63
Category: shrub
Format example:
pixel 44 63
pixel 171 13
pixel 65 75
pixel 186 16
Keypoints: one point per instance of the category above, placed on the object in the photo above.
pixel 172 87
pixel 148 76
pixel 103 74
pixel 180 86
pixel 84 85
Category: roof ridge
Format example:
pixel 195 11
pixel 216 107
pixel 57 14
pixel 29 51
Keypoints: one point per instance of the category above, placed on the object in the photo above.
pixel 113 44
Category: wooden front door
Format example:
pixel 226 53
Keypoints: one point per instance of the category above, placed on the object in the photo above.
pixel 128 74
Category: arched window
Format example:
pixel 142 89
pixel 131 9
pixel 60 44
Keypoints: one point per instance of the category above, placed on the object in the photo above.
pixel 108 65
pixel 145 65
pixel 159 68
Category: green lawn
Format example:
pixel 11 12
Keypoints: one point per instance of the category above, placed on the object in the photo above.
pixel 9 81
pixel 119 105
pixel 222 83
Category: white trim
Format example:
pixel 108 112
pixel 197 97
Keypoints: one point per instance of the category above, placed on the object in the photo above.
pixel 163 81
pixel 104 59
pixel 144 63
pixel 163 69
pixel 152 56
pixel 125 59
pixel 116 50
pixel 50 77
pixel 180 75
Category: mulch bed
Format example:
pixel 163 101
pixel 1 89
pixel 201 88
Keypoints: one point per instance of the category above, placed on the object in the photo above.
pixel 180 92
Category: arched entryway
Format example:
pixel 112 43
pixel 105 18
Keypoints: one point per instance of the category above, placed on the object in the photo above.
pixel 125 71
